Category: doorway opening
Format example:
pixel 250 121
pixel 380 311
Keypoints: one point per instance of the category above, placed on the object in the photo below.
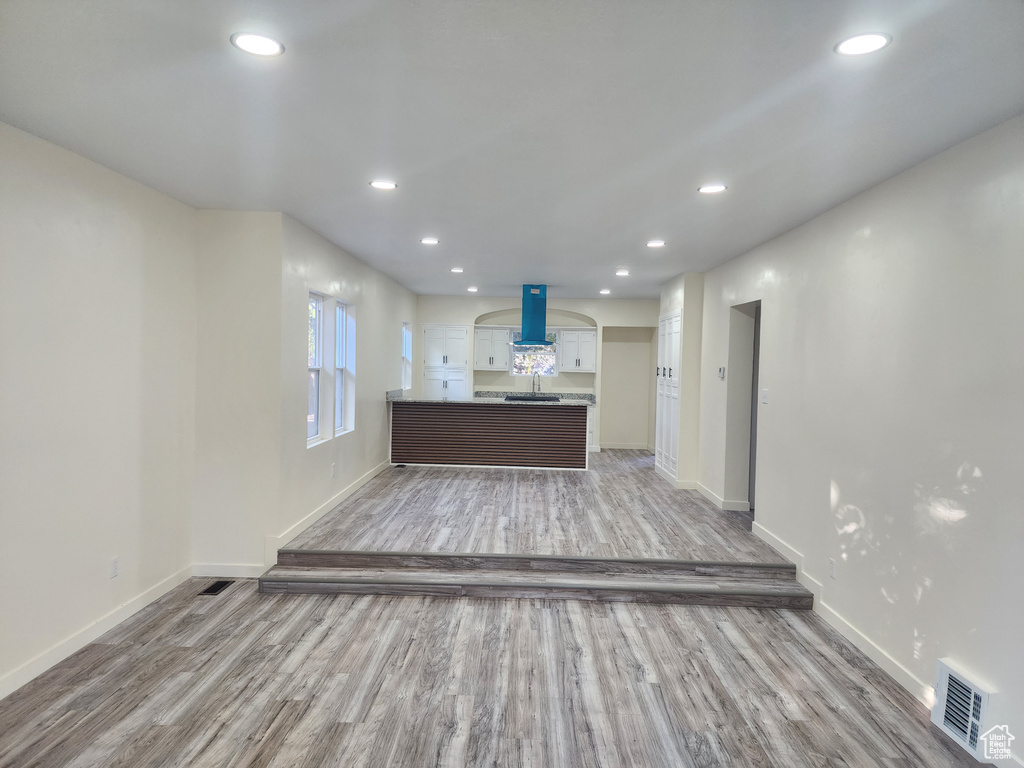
pixel 742 400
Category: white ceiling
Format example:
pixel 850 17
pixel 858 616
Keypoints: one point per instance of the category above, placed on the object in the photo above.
pixel 542 141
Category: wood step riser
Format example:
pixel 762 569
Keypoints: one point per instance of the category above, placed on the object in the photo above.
pixel 689 597
pixel 465 562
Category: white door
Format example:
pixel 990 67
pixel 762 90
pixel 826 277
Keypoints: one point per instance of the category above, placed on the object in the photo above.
pixel 433 345
pixel 482 348
pixel 433 382
pixel 499 349
pixel 456 346
pixel 587 354
pixel 456 384
pixel 570 350
pixel 667 417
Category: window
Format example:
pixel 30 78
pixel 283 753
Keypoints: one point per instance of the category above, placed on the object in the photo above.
pixel 344 367
pixel 533 360
pixel 406 355
pixel 316 335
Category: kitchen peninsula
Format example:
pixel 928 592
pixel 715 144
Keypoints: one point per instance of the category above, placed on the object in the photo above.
pixel 492 431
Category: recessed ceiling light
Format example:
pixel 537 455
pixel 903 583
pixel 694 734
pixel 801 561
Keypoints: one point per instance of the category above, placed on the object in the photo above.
pixel 257 45
pixel 605 291
pixel 430 241
pixel 712 189
pixel 861 44
pixel 622 272
pixel 655 243
pixel 383 184
pixel 472 289
pixel 456 269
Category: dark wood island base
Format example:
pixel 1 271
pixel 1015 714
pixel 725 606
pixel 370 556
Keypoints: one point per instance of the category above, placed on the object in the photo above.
pixel 549 435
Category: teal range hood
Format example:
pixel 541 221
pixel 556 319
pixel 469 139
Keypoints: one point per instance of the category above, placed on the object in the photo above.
pixel 535 306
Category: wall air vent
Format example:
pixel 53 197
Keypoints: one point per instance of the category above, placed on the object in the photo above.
pixel 961 706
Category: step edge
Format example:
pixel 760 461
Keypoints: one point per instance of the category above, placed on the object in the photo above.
pixel 751 592
pixel 544 558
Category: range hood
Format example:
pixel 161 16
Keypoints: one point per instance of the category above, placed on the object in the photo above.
pixel 535 306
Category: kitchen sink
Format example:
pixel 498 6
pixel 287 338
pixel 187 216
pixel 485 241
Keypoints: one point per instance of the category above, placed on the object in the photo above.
pixel 533 397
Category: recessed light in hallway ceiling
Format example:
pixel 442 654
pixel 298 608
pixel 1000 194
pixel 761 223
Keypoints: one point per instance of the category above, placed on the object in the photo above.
pixel 257 45
pixel 622 272
pixel 861 44
pixel 383 184
pixel 605 291
pixel 472 289
pixel 430 241
pixel 456 269
pixel 655 243
pixel 712 189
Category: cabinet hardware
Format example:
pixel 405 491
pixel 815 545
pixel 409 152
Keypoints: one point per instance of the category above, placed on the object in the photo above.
pixel 670 373
pixel 657 371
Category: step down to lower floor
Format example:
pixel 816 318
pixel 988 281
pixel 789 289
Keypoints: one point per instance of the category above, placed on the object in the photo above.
pixel 467 561
pixel 682 588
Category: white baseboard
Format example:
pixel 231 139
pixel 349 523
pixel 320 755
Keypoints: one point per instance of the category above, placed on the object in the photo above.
pixel 625 446
pixel 17 677
pixel 596 448
pixel 921 690
pixel 228 570
pixel 274 543
pixel 723 504
pixel 684 485
pixel 780 546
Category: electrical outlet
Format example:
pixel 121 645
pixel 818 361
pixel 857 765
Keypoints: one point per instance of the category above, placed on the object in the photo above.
pixel 764 396
pixel 334 469
pixel 832 567
pixel 115 567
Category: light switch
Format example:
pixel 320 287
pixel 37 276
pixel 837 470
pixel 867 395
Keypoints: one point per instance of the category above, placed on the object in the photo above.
pixel 721 372
pixel 764 396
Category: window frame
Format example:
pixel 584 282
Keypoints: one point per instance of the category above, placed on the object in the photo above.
pixel 315 341
pixel 554 354
pixel 406 355
pixel 344 367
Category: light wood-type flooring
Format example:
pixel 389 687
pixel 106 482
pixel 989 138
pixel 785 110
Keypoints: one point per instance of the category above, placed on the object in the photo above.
pixel 243 679
pixel 618 508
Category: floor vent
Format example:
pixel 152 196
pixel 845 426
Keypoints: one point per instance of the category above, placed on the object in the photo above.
pixel 216 588
pixel 961 706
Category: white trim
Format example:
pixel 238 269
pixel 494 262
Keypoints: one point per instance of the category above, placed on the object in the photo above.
pixel 921 690
pixel 626 446
pixel 55 654
pixel 683 485
pixel 274 543
pixel 710 495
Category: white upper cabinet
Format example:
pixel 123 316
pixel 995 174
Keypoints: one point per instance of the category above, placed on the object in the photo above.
pixel 578 351
pixel 490 350
pixel 446 362
pixel 446 345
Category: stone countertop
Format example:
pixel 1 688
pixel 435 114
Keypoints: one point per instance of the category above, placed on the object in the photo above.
pixel 493 401
pixel 488 396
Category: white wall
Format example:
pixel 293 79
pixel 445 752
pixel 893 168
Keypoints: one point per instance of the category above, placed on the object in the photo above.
pixel 627 385
pixel 311 263
pixel 891 346
pixel 258 485
pixel 237 491
pixel 98 351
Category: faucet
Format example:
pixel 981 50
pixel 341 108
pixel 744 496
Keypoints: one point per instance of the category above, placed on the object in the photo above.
pixel 535 384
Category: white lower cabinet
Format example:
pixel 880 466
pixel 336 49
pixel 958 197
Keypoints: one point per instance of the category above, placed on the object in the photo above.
pixel 444 383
